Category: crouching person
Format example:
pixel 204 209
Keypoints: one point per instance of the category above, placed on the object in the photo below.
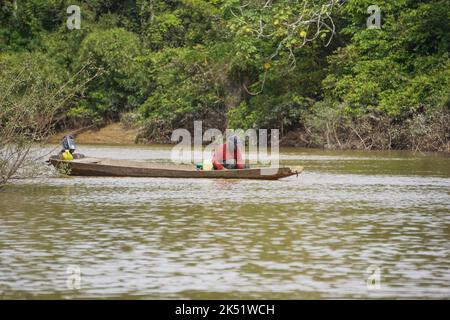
pixel 228 155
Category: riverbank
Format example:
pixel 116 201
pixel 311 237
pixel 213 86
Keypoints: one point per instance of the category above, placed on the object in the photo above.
pixel 113 133
pixel 336 139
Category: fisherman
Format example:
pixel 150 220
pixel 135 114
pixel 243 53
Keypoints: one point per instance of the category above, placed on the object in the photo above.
pixel 68 150
pixel 228 155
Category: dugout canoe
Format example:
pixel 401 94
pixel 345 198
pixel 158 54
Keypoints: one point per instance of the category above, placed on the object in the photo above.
pixel 127 168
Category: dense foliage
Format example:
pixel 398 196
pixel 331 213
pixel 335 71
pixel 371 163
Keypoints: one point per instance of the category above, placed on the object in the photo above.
pixel 310 68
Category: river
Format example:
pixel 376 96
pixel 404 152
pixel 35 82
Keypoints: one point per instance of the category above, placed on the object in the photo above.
pixel 352 225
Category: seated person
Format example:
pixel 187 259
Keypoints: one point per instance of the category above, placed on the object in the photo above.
pixel 228 155
pixel 68 150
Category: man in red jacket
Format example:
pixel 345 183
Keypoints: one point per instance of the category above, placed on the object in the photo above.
pixel 228 155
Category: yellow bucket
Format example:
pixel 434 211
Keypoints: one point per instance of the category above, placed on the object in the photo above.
pixel 66 155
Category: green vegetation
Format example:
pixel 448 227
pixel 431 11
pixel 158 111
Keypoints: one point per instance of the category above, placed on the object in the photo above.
pixel 310 68
pixel 33 93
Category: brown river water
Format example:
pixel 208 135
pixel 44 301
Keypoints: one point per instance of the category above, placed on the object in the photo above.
pixel 352 225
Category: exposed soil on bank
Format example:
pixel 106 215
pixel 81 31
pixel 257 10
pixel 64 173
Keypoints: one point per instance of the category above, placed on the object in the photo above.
pixel 114 133
pixel 117 133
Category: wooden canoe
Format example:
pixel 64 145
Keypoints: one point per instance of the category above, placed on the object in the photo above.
pixel 127 168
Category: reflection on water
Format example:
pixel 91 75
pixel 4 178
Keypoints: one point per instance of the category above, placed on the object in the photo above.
pixel 308 237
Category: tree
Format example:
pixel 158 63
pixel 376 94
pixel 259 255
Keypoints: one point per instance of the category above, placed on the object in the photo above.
pixel 123 85
pixel 33 92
